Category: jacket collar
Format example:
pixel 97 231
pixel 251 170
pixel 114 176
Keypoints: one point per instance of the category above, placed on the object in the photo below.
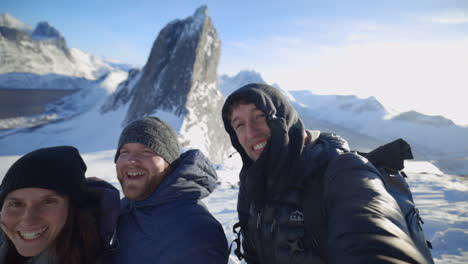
pixel 193 178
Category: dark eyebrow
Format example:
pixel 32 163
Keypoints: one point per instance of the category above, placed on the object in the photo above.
pixel 13 198
pixel 234 120
pixel 148 148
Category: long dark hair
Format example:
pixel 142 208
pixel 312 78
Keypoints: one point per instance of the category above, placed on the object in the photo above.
pixel 78 242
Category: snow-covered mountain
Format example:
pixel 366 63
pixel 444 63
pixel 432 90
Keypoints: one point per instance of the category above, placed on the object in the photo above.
pixel 179 81
pixel 41 59
pixel 432 137
pixel 91 119
pixel 178 84
pixel 228 84
pixel 44 51
pixel 367 123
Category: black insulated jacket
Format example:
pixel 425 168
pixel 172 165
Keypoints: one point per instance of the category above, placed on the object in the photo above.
pixel 355 219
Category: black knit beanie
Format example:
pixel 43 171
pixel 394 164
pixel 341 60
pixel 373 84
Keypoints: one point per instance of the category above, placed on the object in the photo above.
pixel 153 133
pixel 56 168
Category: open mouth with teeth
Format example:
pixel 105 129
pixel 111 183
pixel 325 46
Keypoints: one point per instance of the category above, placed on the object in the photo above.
pixel 259 146
pixel 33 234
pixel 132 175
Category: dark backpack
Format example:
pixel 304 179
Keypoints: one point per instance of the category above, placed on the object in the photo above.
pixel 389 160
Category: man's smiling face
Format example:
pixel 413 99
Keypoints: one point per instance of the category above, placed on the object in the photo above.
pixel 251 128
pixel 140 170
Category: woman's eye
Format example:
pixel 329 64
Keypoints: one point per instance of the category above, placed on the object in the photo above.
pixel 50 201
pixel 14 204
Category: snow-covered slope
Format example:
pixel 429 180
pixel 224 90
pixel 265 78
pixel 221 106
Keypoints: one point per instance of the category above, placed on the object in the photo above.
pixel 178 84
pixel 7 20
pixel 44 51
pixel 40 59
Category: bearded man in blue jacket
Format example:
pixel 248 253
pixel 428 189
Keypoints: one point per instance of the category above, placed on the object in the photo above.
pixel 162 219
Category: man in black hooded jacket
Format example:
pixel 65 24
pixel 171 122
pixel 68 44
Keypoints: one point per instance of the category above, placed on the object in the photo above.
pixel 285 168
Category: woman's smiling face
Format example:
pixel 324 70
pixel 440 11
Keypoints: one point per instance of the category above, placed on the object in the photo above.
pixel 32 218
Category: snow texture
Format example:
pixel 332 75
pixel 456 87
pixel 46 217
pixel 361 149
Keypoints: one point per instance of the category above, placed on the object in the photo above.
pixel 7 20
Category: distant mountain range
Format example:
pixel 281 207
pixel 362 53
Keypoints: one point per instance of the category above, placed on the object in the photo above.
pixel 367 123
pixel 180 84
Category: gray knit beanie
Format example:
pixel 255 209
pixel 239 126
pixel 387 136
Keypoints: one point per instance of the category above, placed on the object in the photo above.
pixel 153 133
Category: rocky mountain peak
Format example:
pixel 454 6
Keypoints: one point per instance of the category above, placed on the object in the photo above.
pixel 44 30
pixel 180 77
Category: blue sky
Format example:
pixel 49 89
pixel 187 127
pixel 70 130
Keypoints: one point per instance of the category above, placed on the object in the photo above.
pixel 409 54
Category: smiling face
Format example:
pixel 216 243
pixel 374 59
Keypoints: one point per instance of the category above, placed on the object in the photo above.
pixel 140 170
pixel 32 218
pixel 251 128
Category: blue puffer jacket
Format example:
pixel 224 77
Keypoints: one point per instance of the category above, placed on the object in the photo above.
pixel 173 225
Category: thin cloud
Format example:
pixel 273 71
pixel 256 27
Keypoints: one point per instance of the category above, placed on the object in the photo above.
pixel 396 72
pixel 452 17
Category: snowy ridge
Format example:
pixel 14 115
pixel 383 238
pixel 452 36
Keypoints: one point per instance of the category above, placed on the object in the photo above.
pixel 7 20
pixel 438 139
pixel 366 124
pixel 413 116
pixel 228 84
pixel 44 52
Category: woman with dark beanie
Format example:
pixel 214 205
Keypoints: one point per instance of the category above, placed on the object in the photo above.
pixel 50 213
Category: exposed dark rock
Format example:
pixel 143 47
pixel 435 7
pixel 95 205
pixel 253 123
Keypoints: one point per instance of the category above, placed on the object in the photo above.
pixel 13 34
pixel 45 30
pixel 180 77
